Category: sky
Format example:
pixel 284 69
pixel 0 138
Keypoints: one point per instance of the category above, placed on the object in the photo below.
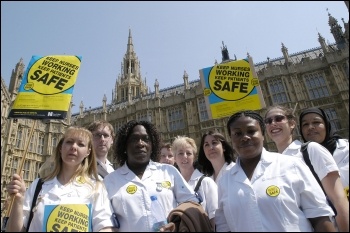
pixel 169 37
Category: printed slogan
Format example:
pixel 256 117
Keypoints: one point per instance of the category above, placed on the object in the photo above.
pixel 67 218
pixel 231 87
pixel 47 87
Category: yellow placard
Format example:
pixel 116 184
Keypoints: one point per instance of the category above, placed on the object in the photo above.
pixel 67 218
pixel 231 87
pixel 47 87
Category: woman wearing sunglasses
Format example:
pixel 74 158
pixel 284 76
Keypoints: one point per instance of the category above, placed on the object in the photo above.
pixel 280 126
pixel 266 191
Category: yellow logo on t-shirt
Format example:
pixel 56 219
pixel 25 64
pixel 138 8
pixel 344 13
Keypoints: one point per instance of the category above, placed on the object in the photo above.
pixel 80 180
pixel 273 191
pixel 166 184
pixel 131 189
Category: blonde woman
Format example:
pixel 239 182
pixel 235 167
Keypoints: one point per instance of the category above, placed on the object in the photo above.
pixel 71 198
pixel 185 151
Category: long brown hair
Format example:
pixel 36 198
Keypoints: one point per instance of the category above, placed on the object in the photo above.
pixel 207 167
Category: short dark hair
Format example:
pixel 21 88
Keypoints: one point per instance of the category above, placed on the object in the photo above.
pixel 248 113
pixel 98 123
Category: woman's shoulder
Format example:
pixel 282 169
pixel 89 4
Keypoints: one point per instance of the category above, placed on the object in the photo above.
pixel 228 166
pixel 209 181
pixel 342 143
pixel 314 147
pixel 270 156
pixel 295 145
pixel 35 183
pixel 165 167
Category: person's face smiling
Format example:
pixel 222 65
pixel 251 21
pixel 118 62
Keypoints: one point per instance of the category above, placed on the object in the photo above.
pixel 280 128
pixel 213 148
pixel 313 128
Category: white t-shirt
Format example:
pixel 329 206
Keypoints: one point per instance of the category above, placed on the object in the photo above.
pixel 224 168
pixel 103 169
pixel 54 193
pixel 281 195
pixel 131 196
pixel 341 157
pixel 208 190
pixel 321 160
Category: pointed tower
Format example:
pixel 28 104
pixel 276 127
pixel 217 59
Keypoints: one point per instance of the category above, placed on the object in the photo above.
pixel 156 88
pixel 129 83
pixel 16 79
pixel 186 84
pixel 323 43
pixel 285 54
pixel 81 109
pixel 104 103
pixel 337 31
pixel 346 27
pixel 224 52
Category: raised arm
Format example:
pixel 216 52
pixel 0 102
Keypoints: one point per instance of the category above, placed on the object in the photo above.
pixel 16 189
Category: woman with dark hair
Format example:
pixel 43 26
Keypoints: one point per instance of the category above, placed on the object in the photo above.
pixel 315 126
pixel 215 155
pixel 267 191
pixel 131 186
pixel 280 126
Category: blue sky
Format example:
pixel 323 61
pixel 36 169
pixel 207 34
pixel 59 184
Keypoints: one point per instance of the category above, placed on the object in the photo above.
pixel 168 37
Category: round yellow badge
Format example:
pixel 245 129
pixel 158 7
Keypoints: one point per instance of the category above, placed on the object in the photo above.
pixel 80 180
pixel 166 184
pixel 273 191
pixel 131 189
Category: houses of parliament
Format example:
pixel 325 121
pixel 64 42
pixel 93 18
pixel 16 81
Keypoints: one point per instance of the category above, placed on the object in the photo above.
pixel 318 77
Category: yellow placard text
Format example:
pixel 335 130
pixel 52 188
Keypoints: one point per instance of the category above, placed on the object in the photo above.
pixel 232 81
pixel 68 218
pixel 52 74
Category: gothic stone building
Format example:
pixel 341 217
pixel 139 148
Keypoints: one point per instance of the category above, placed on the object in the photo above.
pixel 316 77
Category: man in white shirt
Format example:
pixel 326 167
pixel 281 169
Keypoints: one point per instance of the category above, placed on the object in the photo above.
pixel 103 135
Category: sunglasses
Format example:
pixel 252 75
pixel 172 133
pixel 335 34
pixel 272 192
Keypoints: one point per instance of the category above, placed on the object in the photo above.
pixel 277 118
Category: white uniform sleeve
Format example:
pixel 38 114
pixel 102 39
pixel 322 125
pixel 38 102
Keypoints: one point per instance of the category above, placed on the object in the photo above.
pixel 210 190
pixel 312 199
pixel 220 220
pixel 182 190
pixel 102 210
pixel 321 159
pixel 28 199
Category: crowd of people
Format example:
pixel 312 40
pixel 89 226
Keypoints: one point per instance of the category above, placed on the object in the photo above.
pixel 239 184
